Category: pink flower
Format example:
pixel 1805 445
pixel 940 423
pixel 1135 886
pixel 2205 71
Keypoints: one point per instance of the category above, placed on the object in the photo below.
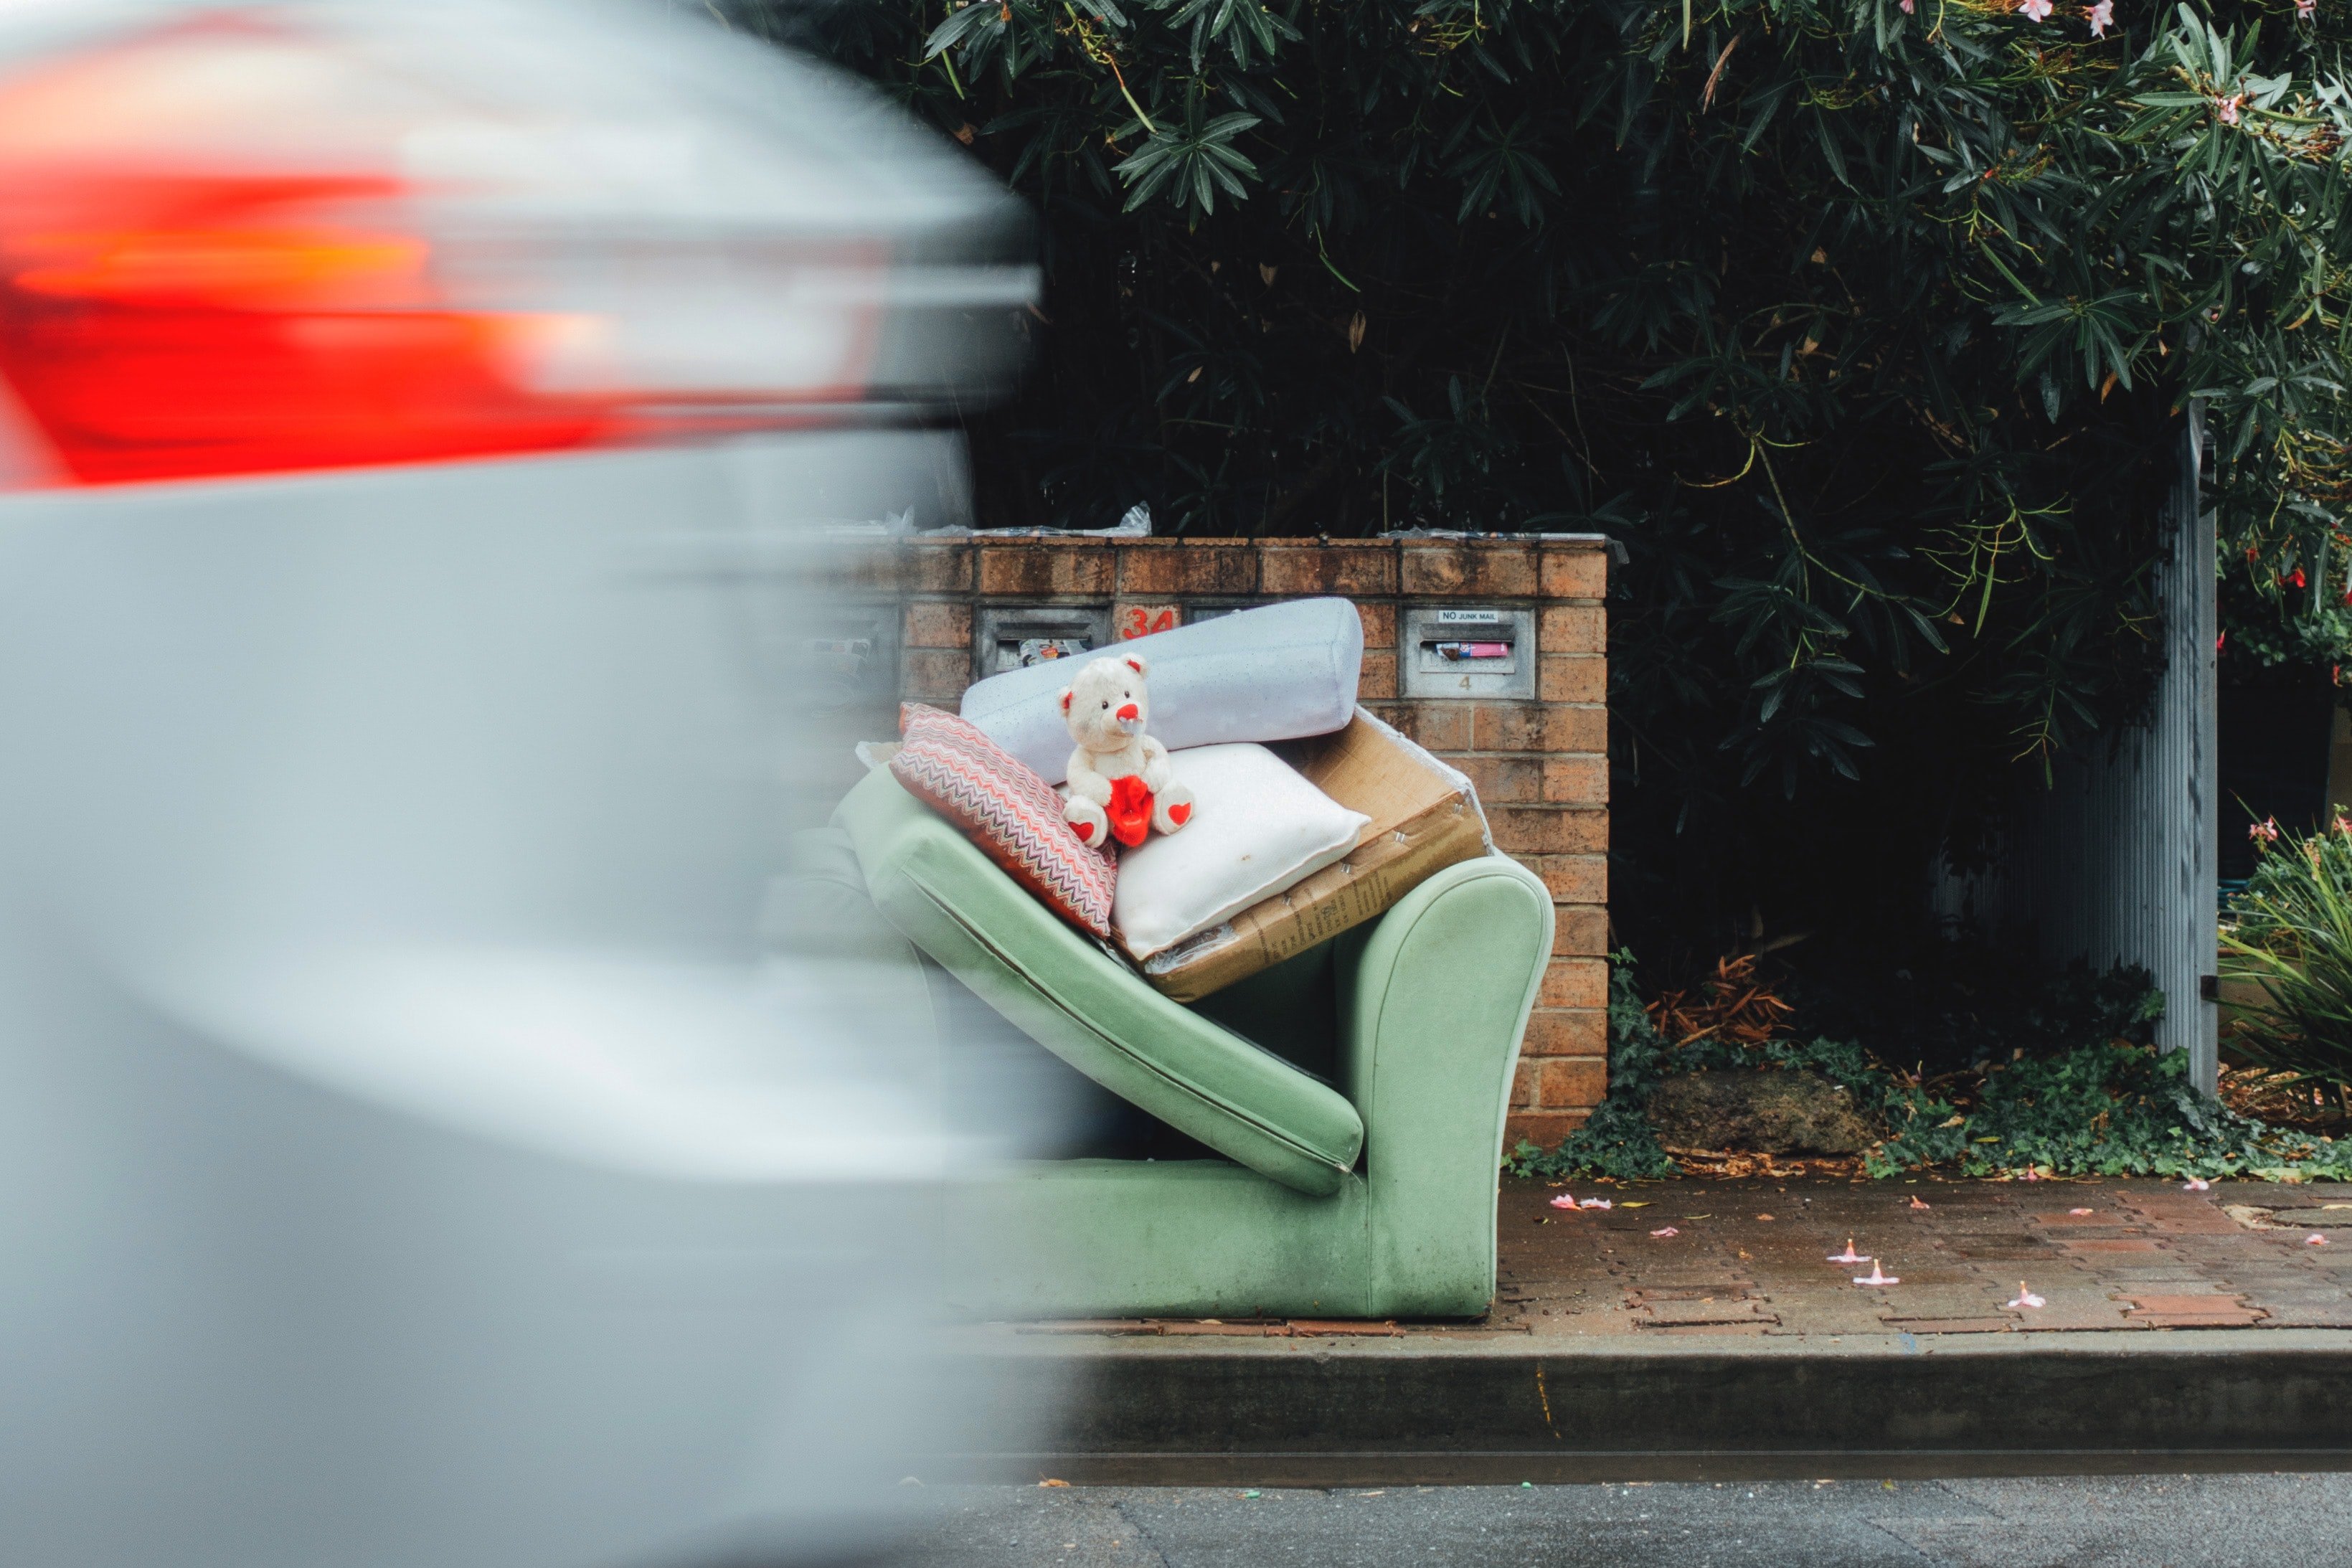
pixel 2078 1211
pixel 2036 10
pixel 1594 1204
pixel 1848 1256
pixel 1565 1201
pixel 2315 1239
pixel 2342 827
pixel 2026 1299
pixel 1919 1203
pixel 2305 10
pixel 1665 1230
pixel 1876 1276
pixel 2103 17
pixel 2195 1184
pixel 2229 107
pixel 2266 831
pixel 1906 7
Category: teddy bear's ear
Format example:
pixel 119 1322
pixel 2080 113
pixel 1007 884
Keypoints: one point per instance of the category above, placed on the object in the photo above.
pixel 1067 692
pixel 1135 664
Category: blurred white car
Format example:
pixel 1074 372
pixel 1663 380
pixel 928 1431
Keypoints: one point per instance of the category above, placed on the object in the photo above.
pixel 414 419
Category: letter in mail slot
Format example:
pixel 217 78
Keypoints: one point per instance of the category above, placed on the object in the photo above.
pixel 1462 650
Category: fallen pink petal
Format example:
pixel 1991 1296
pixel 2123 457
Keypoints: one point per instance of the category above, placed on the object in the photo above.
pixel 1665 1230
pixel 2081 1211
pixel 2195 1184
pixel 1563 1201
pixel 2315 1239
pixel 1876 1276
pixel 2026 1299
pixel 1918 1203
pixel 1848 1256
pixel 1594 1204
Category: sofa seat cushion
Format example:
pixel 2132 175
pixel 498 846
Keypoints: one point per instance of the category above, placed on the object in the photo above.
pixel 1082 1004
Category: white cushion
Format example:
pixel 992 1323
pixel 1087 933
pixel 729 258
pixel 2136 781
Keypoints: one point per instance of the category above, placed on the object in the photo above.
pixel 1269 674
pixel 1257 828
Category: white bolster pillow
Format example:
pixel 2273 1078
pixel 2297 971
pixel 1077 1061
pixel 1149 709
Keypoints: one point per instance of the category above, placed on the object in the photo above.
pixel 1269 674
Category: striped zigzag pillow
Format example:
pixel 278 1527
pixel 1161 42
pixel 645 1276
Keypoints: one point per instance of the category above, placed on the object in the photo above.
pixel 1002 806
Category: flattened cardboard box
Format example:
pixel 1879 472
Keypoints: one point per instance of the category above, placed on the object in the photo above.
pixel 1425 818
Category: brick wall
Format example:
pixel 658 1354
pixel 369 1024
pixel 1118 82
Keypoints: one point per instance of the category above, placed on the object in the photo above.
pixel 1541 765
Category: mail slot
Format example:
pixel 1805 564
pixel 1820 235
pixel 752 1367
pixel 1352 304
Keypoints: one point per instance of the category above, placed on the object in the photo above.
pixel 846 655
pixel 1013 636
pixel 1469 651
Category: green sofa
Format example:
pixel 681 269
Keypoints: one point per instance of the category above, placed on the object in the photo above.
pixel 1371 1195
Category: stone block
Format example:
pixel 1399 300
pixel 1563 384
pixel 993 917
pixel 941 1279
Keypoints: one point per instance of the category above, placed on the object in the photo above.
pixel 1575 572
pixel 1574 879
pixel 1580 931
pixel 1182 566
pixel 1440 726
pixel 1537 727
pixel 1466 568
pixel 1575 983
pixel 933 623
pixel 1548 830
pixel 1544 1129
pixel 1566 1032
pixel 1573 678
pixel 1047 569
pixel 1575 780
pixel 1366 567
pixel 1572 628
pixel 1501 780
pixel 1570 1081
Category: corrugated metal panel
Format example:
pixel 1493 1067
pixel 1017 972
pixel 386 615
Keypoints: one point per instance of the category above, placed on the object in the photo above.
pixel 2118 862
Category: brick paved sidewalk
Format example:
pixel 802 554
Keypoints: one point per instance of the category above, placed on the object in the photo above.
pixel 1751 1257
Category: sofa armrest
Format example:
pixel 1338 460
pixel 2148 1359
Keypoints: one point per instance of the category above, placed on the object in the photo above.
pixel 1433 1002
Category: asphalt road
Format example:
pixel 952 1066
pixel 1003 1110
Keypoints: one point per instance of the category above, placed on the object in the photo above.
pixel 2138 1521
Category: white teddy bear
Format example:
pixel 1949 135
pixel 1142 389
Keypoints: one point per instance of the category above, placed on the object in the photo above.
pixel 1121 786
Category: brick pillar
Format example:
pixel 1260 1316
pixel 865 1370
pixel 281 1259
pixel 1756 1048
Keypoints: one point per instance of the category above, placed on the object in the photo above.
pixel 1540 764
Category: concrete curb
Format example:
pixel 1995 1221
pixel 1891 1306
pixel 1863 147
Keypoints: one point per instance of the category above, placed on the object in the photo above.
pixel 1431 1411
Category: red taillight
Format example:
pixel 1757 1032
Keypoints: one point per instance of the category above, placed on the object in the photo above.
pixel 217 256
pixel 210 325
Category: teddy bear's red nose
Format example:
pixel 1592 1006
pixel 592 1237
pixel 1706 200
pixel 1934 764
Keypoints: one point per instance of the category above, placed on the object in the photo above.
pixel 1129 711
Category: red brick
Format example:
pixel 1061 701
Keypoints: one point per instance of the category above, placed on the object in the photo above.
pixel 1575 983
pixel 1366 567
pixel 1071 566
pixel 1523 1083
pixel 1544 1129
pixel 1580 931
pixel 1502 779
pixel 1562 1083
pixel 1380 625
pixel 1572 628
pixel 1575 572
pixel 1445 566
pixel 1575 780
pixel 1182 566
pixel 1574 879
pixel 1537 727
pixel 1379 677
pixel 1573 678
pixel 932 623
pixel 1548 830
pixel 1127 620
pixel 1440 726
pixel 1572 1032
pixel 936 568
pixel 935 673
